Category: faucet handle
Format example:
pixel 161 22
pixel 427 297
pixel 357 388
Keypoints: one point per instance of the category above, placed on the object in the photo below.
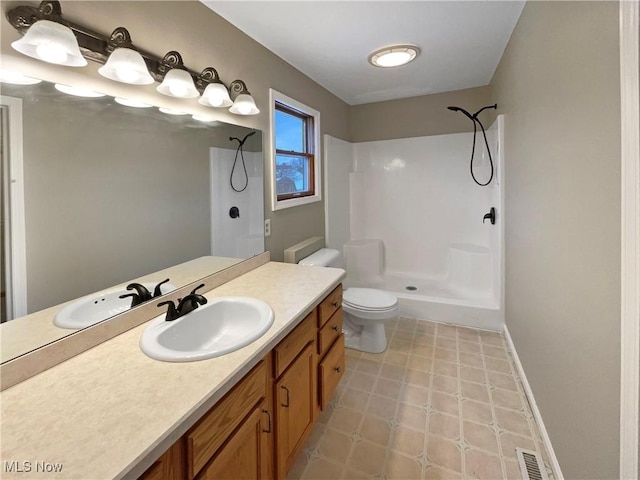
pixel 197 288
pixel 141 290
pixel 158 291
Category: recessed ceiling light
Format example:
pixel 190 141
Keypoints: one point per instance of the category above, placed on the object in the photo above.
pixel 16 78
pixel 77 91
pixel 394 56
pixel 127 102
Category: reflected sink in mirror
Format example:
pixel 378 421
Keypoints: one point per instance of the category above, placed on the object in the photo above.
pixel 98 307
pixel 223 325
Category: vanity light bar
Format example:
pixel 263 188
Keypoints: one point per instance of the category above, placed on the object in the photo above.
pixel 98 47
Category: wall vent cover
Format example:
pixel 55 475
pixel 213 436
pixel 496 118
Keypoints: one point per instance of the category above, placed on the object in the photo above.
pixel 531 465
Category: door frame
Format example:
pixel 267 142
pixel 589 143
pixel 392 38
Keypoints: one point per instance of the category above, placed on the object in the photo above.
pixel 630 237
pixel 17 260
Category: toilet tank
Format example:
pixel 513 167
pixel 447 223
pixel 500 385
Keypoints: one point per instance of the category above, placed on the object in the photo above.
pixel 325 257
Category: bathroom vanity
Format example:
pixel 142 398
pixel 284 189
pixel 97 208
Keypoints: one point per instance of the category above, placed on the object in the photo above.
pixel 113 412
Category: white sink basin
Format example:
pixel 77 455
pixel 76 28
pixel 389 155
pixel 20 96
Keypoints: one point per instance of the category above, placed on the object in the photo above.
pixel 223 325
pixel 99 306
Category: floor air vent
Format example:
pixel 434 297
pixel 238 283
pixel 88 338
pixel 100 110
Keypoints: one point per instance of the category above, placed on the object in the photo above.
pixel 531 465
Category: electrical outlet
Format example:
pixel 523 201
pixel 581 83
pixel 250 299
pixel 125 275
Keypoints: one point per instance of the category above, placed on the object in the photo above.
pixel 267 227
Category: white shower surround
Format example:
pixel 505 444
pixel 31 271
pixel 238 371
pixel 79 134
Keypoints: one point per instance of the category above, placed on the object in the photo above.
pixel 241 237
pixel 417 195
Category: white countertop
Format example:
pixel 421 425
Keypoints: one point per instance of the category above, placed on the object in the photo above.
pixel 111 411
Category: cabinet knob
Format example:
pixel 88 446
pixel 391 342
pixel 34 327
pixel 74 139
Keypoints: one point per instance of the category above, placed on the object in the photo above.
pixel 335 304
pixel 337 369
pixel 334 328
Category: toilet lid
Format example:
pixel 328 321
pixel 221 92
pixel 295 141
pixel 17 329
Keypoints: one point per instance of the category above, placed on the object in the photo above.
pixel 369 299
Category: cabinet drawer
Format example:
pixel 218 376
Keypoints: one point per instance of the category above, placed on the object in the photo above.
pixel 329 305
pixel 204 439
pixel 329 332
pixel 330 371
pixel 289 348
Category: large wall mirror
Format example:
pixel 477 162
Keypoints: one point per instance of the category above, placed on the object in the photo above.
pixel 114 194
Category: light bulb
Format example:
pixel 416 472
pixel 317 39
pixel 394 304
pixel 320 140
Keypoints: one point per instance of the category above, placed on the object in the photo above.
pixel 178 89
pixel 244 109
pixel 52 53
pixel 127 75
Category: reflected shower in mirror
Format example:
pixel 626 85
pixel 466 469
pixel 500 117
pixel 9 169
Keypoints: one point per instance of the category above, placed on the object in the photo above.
pixel 114 194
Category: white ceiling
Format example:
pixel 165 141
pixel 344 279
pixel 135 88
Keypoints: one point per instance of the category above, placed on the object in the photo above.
pixel 329 41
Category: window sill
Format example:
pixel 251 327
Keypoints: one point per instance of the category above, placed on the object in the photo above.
pixel 294 202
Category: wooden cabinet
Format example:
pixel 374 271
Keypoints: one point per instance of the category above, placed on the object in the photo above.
pixel 260 426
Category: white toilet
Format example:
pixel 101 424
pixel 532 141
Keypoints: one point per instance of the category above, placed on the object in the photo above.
pixel 365 309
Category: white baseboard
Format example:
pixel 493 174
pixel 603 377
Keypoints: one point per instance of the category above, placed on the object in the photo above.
pixel 555 466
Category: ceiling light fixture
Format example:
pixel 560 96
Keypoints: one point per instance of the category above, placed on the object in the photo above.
pixel 78 91
pixel 17 78
pixel 125 64
pixel 244 103
pixel 215 93
pixel 394 56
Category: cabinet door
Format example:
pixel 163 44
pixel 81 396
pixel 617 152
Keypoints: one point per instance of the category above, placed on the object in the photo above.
pixel 295 395
pixel 242 455
pixel 169 466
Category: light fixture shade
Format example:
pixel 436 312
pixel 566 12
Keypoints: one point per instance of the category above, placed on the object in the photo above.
pixel 78 91
pixel 178 83
pixel 51 42
pixel 128 102
pixel 215 95
pixel 17 78
pixel 244 105
pixel 171 111
pixel 127 66
pixel 394 56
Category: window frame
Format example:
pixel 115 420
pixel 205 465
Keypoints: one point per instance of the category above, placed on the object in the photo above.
pixel 312 134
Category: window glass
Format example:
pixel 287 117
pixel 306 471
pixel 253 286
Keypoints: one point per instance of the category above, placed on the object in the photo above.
pixel 292 174
pixel 290 132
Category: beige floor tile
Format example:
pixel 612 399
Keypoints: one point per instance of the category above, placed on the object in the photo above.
pixel 477 412
pixel 407 441
pixel 444 425
pixel 446 354
pixel 388 388
pixel 495 340
pixel 424 340
pixel 482 466
pixel 496 352
pixel 362 381
pixel 355 475
pixel 444 330
pixel 512 470
pixel 444 403
pixel 423 327
pixel 402 467
pixel 434 472
pixel 510 441
pixel 393 372
pixel 468 334
pixel 356 399
pixel 512 421
pixel 416 362
pixel 445 384
pixel 507 399
pixel 396 358
pixel 474 391
pixel 368 366
pixel 443 453
pixel 422 350
pixel 411 416
pixel 367 457
pixel 375 430
pixel 381 407
pixel 322 468
pixel 418 377
pixel 442 367
pixel 472 374
pixel 415 395
pixel 345 419
pixel 335 445
pixel 480 436
pixel 445 342
pixel 469 346
pixel 497 365
pixel 500 380
pixel 471 359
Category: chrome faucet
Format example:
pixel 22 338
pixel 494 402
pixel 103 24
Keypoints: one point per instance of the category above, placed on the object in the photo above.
pixel 185 305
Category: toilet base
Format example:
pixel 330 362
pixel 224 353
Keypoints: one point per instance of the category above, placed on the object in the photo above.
pixel 372 339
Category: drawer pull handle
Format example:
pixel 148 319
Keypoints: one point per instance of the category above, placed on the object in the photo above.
pixel 337 369
pixel 334 328
pixel 286 390
pixel 268 430
pixel 335 304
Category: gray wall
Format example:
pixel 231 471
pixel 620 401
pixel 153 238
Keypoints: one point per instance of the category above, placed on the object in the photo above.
pixel 206 39
pixel 418 116
pixel 558 84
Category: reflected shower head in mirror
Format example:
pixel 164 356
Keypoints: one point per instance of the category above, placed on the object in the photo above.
pixel 244 166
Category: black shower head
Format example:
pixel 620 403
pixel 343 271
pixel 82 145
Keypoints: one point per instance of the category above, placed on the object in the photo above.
pixel 458 109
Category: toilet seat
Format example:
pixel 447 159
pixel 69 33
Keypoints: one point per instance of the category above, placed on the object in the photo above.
pixel 369 300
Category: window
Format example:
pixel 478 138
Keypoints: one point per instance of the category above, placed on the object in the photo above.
pixel 295 166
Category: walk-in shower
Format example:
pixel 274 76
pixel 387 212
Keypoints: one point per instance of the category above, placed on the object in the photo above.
pixel 415 198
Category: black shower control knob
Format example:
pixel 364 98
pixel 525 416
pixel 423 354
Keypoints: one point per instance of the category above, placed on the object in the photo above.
pixel 234 212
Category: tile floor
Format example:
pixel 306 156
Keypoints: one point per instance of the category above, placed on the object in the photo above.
pixel 442 402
